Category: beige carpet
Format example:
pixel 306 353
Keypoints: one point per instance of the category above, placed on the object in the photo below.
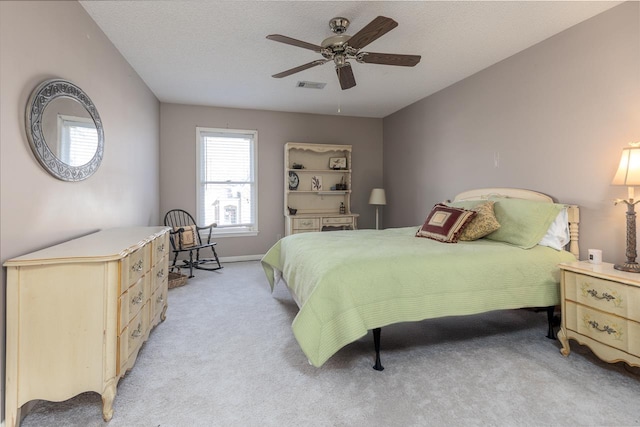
pixel 226 356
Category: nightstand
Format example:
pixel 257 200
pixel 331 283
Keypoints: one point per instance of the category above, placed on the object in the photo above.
pixel 601 309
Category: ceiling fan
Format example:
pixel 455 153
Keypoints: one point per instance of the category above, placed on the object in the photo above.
pixel 341 47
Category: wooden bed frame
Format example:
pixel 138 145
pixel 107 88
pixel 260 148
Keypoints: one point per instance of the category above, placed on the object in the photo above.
pixel 516 193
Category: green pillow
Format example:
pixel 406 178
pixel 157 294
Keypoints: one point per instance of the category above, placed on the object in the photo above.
pixel 523 223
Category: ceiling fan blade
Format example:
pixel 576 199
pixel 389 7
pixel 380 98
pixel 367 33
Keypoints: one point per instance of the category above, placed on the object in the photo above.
pixel 346 77
pixel 300 68
pixel 372 31
pixel 389 59
pixel 294 42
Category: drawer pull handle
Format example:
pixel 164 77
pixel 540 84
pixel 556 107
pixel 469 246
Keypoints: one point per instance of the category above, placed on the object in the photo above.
pixel 137 299
pixel 161 248
pixel 160 274
pixel 160 300
pixel 137 332
pixel 606 328
pixel 137 266
pixel 605 296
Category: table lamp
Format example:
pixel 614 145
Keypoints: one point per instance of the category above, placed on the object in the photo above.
pixel 378 199
pixel 629 174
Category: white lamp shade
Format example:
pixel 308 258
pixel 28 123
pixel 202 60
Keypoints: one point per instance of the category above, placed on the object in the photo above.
pixel 377 197
pixel 629 170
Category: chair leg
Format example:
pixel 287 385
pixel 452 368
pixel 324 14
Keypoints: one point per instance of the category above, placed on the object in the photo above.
pixel 190 264
pixel 215 255
pixel 199 263
pixel 175 259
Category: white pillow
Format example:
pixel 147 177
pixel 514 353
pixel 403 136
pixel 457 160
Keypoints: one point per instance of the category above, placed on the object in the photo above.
pixel 557 236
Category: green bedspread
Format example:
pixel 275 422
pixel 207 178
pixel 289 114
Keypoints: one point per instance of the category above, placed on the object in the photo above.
pixel 349 282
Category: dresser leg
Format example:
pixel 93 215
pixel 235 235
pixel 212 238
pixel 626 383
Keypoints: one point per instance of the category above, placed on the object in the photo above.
pixel 12 417
pixel 562 336
pixel 107 401
pixel 163 315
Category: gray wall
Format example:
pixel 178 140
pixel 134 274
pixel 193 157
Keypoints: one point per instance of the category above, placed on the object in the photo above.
pixel 558 115
pixel 178 161
pixel 41 40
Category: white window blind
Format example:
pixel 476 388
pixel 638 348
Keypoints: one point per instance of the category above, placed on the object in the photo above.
pixel 78 140
pixel 227 188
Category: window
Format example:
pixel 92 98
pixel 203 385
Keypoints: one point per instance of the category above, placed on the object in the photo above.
pixel 77 139
pixel 227 188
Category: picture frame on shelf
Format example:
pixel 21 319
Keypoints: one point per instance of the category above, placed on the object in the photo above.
pixel 316 183
pixel 338 163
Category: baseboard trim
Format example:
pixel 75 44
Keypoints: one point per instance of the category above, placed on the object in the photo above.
pixel 241 258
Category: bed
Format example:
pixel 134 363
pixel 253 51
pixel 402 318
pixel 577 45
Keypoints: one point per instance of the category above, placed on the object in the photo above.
pixel 346 283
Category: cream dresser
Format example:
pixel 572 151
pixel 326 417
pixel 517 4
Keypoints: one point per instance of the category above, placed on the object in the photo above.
pixel 78 313
pixel 601 309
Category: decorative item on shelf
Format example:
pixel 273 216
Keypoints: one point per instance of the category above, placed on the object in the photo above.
pixel 292 211
pixel 378 199
pixel 341 186
pixel 629 174
pixel 293 181
pixel 297 166
pixel 316 183
pixel 338 163
pixel 343 210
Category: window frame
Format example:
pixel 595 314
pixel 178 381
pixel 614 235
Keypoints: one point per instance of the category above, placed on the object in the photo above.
pixel 226 231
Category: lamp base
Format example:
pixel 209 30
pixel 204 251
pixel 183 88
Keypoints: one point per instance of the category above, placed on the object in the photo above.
pixel 631 267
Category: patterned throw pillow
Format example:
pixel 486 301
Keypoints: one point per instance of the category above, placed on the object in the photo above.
pixel 484 223
pixel 444 223
pixel 186 238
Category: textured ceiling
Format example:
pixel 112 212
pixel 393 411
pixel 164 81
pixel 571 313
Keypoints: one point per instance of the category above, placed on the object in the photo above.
pixel 215 52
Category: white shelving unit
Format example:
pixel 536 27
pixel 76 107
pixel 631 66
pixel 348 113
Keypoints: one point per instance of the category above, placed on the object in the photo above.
pixel 317 209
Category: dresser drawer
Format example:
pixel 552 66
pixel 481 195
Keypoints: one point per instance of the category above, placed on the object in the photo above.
pixel 137 264
pixel 608 329
pixel 312 224
pixel 337 220
pixel 133 335
pixel 611 297
pixel 159 248
pixel 159 275
pixel 132 300
pixel 158 301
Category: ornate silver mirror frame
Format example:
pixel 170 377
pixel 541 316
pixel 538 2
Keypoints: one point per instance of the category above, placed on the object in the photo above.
pixel 45 148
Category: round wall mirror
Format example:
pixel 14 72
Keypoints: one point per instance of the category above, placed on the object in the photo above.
pixel 64 130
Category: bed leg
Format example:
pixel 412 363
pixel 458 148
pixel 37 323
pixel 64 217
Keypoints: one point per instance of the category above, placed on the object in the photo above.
pixel 551 333
pixel 376 343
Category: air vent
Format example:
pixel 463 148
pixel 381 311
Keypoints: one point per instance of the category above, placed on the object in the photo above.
pixel 311 85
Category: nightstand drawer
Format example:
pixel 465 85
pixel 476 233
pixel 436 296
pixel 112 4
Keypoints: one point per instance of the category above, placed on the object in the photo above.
pixel 611 297
pixel 337 220
pixel 306 224
pixel 611 330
